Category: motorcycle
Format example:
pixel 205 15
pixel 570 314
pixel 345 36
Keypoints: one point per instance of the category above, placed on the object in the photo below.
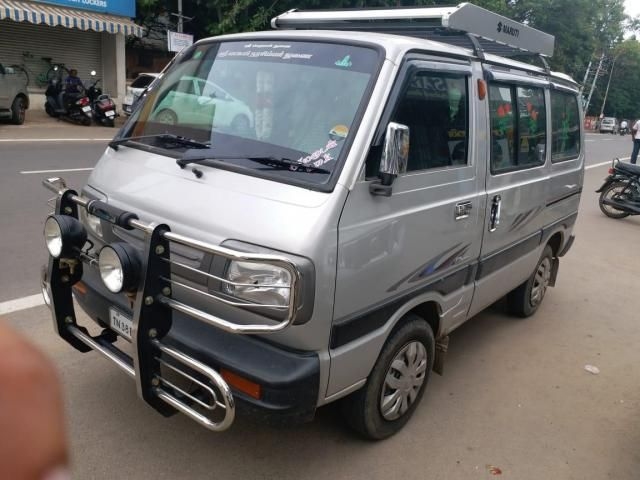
pixel 620 192
pixel 623 131
pixel 102 106
pixel 75 108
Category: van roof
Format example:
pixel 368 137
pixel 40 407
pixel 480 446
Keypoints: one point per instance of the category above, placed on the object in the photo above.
pixel 396 46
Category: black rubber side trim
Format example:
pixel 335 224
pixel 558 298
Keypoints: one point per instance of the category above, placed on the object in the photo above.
pixel 567 246
pixel 111 214
pixel 496 261
pixel 564 197
pixel 361 323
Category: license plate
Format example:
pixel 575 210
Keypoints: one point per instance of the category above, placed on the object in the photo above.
pixel 86 109
pixel 120 323
pixel 110 113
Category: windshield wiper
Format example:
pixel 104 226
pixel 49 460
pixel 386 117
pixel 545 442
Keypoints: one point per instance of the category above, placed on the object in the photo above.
pixel 167 138
pixel 275 162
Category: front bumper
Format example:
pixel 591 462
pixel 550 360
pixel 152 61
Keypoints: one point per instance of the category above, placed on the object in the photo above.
pixel 171 339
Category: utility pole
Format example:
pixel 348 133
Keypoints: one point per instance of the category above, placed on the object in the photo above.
pixel 604 101
pixel 586 76
pixel 595 79
pixel 180 18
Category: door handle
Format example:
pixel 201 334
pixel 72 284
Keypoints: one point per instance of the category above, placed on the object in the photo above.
pixel 463 210
pixel 494 217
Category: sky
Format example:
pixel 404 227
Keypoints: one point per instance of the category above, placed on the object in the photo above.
pixel 632 7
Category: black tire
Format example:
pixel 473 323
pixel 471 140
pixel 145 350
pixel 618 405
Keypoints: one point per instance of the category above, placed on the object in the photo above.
pixel 49 109
pixel 86 122
pixel 109 123
pixel 18 111
pixel 363 409
pixel 166 116
pixel 525 299
pixel 610 190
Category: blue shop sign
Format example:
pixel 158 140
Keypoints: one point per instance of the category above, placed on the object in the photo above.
pixel 125 8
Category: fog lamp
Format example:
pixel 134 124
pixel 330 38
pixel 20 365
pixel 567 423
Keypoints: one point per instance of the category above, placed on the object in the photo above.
pixel 64 236
pixel 119 264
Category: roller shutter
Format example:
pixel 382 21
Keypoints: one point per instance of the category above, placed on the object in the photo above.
pixel 75 48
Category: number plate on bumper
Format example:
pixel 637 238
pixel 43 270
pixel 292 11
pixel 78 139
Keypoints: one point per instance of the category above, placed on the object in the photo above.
pixel 120 323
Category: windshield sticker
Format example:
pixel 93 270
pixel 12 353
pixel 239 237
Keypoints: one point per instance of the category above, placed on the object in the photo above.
pixel 265 50
pixel 320 156
pixel 345 62
pixel 339 132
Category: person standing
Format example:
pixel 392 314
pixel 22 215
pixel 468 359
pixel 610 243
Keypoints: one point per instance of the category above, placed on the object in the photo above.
pixel 635 135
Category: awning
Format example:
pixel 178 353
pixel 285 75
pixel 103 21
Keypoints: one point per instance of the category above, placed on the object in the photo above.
pixel 66 17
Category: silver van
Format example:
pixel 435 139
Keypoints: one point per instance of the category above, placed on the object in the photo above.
pixel 396 178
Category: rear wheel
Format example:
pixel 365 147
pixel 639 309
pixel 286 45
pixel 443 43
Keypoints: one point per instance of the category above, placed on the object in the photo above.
pixel 613 192
pixel 86 122
pixel 18 111
pixel 240 124
pixel 525 299
pixel 396 383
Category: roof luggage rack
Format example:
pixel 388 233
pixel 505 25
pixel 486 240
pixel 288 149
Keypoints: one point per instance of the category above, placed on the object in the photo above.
pixel 464 25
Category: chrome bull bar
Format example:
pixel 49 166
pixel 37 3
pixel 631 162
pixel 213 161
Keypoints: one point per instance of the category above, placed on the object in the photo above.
pixel 208 400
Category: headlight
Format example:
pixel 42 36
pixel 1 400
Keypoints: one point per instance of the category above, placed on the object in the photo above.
pixel 259 283
pixel 64 236
pixel 92 222
pixel 119 265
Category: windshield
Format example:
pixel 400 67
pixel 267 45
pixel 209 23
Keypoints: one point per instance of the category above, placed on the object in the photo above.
pixel 298 101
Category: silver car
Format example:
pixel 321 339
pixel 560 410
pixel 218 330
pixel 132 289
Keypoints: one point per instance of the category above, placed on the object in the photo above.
pixel 14 100
pixel 387 189
pixel 137 87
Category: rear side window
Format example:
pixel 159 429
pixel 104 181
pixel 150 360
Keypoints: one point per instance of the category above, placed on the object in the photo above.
pixel 565 125
pixel 434 107
pixel 518 127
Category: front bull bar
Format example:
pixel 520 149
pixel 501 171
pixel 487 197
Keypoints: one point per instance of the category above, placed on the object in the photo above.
pixel 214 406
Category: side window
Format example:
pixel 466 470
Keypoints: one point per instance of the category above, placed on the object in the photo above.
pixel 435 108
pixel 518 127
pixel 565 126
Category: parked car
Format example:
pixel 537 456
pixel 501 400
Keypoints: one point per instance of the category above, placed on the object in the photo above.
pixel 14 100
pixel 609 125
pixel 136 88
pixel 196 101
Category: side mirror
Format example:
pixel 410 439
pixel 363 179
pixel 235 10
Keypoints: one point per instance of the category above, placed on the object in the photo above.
pixel 395 155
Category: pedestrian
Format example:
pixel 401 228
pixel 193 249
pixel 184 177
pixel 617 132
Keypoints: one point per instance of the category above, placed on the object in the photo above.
pixel 635 136
pixel 33 443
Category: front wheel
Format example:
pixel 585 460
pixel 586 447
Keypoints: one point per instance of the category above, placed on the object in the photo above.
pixel 396 383
pixel 613 192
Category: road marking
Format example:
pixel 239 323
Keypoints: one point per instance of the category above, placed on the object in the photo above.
pixel 588 167
pixel 62 170
pixel 18 140
pixel 23 303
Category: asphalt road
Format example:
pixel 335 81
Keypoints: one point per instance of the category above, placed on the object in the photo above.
pixel 515 394
pixel 23 200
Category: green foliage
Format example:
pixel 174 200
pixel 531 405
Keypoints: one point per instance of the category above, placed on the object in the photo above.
pixel 583 29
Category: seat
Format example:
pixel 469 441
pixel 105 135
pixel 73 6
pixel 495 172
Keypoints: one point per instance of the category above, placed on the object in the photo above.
pixel 428 122
pixel 628 168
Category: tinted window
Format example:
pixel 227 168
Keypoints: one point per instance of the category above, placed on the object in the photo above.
pixel 434 107
pixel 142 81
pixel 565 126
pixel 518 127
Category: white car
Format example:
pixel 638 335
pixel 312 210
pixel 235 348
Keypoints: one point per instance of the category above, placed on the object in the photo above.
pixel 136 88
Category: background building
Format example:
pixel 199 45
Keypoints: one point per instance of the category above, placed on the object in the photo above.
pixel 82 34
